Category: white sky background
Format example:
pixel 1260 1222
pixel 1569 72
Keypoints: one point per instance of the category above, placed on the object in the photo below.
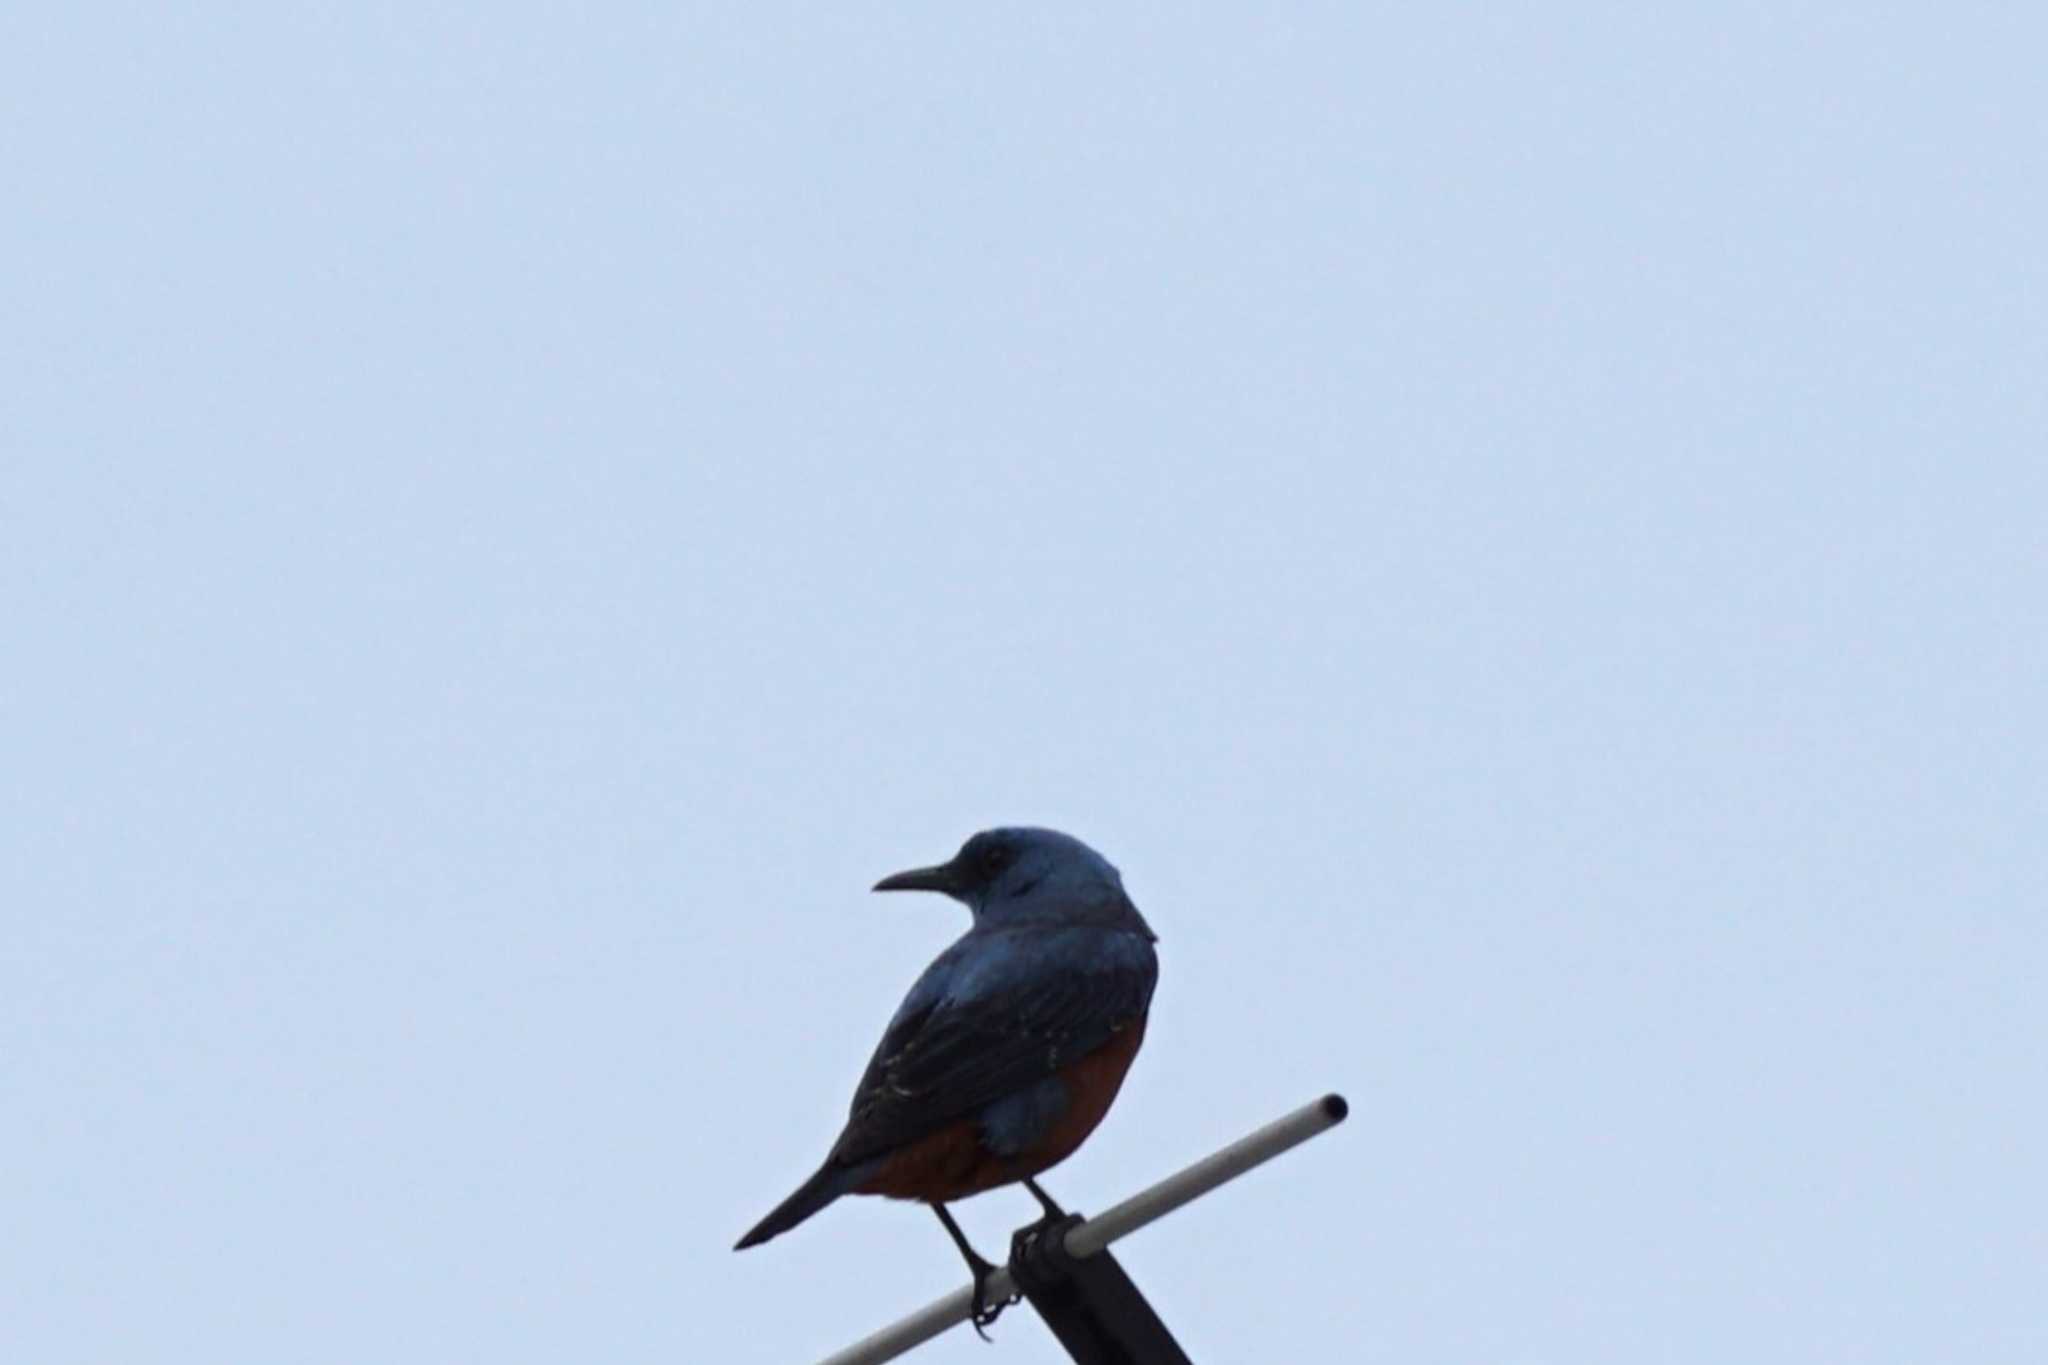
pixel 1522 535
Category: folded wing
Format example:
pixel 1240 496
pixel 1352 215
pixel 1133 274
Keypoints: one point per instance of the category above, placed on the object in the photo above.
pixel 965 1039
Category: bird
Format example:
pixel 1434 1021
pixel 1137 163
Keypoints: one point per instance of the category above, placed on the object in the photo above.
pixel 1008 1049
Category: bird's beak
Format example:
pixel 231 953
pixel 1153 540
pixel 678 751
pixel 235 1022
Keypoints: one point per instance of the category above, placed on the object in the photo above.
pixel 940 878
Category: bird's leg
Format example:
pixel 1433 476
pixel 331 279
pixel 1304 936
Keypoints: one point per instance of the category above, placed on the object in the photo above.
pixel 983 1312
pixel 1052 1210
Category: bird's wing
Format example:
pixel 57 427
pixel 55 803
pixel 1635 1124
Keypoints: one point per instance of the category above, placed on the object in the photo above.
pixel 976 1031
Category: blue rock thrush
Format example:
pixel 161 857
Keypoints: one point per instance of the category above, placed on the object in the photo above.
pixel 1010 1047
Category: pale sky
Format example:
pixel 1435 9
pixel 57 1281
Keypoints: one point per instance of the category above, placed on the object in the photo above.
pixel 1520 533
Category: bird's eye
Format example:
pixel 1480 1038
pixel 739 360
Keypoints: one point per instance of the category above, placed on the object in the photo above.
pixel 994 856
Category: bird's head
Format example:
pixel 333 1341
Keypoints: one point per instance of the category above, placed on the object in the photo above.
pixel 1021 871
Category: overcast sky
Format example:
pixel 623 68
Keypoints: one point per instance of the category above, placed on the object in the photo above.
pixel 1521 533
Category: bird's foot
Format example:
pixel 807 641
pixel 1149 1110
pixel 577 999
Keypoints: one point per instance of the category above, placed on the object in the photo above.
pixel 982 1313
pixel 1038 1253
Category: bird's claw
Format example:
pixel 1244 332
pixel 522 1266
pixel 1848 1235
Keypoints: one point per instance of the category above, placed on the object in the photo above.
pixel 982 1313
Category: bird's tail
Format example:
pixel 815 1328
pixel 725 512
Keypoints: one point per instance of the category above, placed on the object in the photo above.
pixel 821 1189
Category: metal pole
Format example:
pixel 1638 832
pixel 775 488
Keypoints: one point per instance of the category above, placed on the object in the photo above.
pixel 1094 1234
pixel 1088 1303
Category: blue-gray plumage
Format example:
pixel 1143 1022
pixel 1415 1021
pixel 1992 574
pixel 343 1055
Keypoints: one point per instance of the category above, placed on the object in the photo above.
pixel 1008 1050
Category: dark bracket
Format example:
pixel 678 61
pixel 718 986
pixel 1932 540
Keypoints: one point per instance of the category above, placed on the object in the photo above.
pixel 1088 1301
